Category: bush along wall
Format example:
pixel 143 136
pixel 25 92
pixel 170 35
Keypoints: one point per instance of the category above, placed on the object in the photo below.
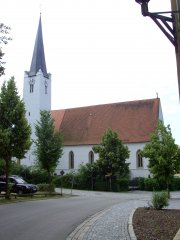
pixel 152 184
pixel 78 181
pixel 46 187
pixel 66 181
pixel 30 174
pixel 176 184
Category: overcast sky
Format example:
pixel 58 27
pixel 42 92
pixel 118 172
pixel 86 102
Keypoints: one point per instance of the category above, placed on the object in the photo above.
pixel 98 51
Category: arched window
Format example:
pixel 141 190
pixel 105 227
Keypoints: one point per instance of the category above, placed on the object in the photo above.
pixel 91 157
pixel 71 160
pixel 139 159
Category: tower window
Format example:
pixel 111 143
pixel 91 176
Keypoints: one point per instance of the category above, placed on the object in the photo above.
pixel 91 157
pixel 71 160
pixel 46 86
pixel 31 84
pixel 29 113
pixel 139 159
pixel 45 89
pixel 31 88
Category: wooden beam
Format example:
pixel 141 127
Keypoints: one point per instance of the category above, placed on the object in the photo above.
pixel 175 6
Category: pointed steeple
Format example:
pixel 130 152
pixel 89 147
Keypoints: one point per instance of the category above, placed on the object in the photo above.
pixel 38 60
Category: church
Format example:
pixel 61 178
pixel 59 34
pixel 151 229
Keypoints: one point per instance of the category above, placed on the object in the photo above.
pixel 83 127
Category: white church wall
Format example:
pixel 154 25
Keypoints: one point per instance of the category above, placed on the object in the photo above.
pixel 135 170
pixel 81 156
pixel 160 113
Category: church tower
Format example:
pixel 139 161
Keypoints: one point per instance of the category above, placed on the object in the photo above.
pixel 37 89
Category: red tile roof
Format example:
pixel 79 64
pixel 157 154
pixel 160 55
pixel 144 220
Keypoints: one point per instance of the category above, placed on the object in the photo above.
pixel 134 121
pixel 57 115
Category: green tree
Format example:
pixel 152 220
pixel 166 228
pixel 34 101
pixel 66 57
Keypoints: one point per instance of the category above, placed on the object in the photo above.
pixel 163 154
pixel 48 143
pixel 14 129
pixel 2 166
pixel 112 155
pixel 86 176
pixel 4 31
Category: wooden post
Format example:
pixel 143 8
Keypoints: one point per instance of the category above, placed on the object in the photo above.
pixel 175 6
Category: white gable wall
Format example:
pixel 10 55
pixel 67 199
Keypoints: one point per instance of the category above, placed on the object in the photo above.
pixel 81 156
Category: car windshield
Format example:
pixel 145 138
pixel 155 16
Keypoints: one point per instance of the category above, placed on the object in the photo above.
pixel 20 180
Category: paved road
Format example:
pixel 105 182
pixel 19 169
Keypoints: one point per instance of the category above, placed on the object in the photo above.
pixel 55 219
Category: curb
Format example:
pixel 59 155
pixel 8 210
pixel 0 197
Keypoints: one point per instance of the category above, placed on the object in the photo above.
pixel 130 226
pixel 177 237
pixel 83 228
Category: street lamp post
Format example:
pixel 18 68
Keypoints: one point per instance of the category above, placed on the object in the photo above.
pixel 169 23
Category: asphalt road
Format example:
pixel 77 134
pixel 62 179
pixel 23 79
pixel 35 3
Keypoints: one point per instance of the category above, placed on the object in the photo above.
pixel 52 219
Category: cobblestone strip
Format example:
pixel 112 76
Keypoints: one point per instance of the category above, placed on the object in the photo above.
pixel 111 226
pixel 130 226
pixel 82 229
pixel 114 224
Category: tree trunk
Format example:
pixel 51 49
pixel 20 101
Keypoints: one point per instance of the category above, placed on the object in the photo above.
pixel 168 191
pixel 7 162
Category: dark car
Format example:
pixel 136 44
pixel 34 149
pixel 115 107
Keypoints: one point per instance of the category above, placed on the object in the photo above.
pixel 18 185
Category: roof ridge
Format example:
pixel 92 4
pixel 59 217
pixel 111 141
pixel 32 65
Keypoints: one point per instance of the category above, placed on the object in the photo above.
pixel 106 104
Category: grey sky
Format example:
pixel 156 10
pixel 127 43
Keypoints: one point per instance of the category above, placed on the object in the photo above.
pixel 98 51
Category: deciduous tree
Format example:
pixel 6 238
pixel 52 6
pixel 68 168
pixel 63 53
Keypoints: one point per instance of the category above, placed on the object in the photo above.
pixel 14 129
pixel 48 145
pixel 112 155
pixel 4 31
pixel 163 154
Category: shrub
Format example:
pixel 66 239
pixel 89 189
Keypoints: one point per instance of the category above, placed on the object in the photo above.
pixel 151 184
pixel 102 185
pixel 39 176
pixel 57 181
pixel 20 170
pixel 140 181
pixel 85 177
pixel 122 184
pixel 176 184
pixel 2 167
pixel 45 187
pixel 160 200
pixel 65 181
pixel 30 174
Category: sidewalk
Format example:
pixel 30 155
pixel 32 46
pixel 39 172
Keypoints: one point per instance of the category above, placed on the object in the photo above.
pixel 115 223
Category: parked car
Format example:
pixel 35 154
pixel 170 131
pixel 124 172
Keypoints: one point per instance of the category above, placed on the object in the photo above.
pixel 18 185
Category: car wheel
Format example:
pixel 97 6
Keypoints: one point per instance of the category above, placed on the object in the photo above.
pixel 20 191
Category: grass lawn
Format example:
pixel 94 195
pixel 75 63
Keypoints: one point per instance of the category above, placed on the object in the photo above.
pixel 31 197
